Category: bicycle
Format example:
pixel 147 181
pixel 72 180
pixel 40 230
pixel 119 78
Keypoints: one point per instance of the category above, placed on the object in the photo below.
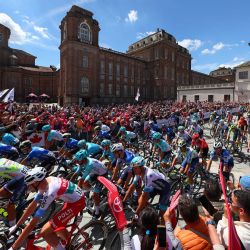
pixel 83 238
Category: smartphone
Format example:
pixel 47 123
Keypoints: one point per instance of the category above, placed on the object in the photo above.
pixel 161 233
pixel 207 205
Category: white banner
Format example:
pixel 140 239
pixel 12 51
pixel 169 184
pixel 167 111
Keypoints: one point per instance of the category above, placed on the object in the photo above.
pixel 9 96
pixel 3 92
pixel 37 139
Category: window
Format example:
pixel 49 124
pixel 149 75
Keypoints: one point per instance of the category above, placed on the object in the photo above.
pixel 64 31
pixel 172 56
pixel 85 85
pixel 156 53
pixel 117 92
pixel 84 33
pixel 132 90
pixel 132 74
pixel 165 91
pixel 172 91
pixel 101 90
pixel 85 61
pixel 118 72
pixel 196 98
pixel 226 98
pixel 243 75
pixel 110 71
pixel 110 89
pixel 166 54
pixel 102 67
pixel 210 98
pixel 125 90
pixel 125 70
pixel 172 74
pixel 184 98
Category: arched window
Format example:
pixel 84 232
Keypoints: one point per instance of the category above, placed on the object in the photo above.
pixel 84 33
pixel 64 31
pixel 85 85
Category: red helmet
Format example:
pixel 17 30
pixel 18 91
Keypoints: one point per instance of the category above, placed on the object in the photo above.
pixel 195 136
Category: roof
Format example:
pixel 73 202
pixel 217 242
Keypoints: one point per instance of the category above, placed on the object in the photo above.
pixel 22 52
pixel 37 69
pixel 245 64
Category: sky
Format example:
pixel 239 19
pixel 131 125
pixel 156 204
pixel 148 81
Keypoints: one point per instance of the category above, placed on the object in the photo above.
pixel 216 32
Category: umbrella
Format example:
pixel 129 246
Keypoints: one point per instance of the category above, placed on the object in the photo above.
pixel 44 96
pixel 32 95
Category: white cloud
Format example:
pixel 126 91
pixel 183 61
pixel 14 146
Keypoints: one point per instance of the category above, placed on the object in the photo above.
pixel 18 35
pixel 141 35
pixel 218 46
pixel 132 16
pixel 205 67
pixel 191 44
pixel 35 37
pixel 42 31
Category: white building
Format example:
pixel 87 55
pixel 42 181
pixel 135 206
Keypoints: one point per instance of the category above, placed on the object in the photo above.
pixel 242 82
pixel 208 92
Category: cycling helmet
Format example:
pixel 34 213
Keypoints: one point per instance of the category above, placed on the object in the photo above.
pixel 35 174
pixel 99 123
pixel 156 136
pixel 169 130
pixel 46 128
pixel 105 143
pixel 66 135
pixel 138 161
pixel 97 128
pixel 122 129
pixel 81 144
pixel 233 126
pixel 221 121
pixel 117 147
pixel 217 117
pixel 81 155
pixel 182 143
pixel 218 144
pixel 195 136
pixel 25 144
pixel 181 128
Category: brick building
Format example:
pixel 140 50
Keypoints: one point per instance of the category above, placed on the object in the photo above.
pixel 18 71
pixel 226 74
pixel 91 74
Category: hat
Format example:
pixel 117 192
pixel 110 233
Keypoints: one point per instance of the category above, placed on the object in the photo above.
pixel 245 182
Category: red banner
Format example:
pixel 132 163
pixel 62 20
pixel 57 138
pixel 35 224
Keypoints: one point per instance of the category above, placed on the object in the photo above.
pixel 115 203
pixel 233 238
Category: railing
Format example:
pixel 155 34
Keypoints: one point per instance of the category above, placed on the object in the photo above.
pixel 207 86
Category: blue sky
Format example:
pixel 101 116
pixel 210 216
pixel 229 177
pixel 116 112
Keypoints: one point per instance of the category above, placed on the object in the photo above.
pixel 216 32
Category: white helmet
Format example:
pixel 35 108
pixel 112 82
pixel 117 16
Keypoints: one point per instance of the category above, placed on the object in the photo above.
pixel 218 144
pixel 116 147
pixel 35 174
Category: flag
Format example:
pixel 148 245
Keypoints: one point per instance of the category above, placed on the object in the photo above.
pixel 137 95
pixel 9 96
pixel 2 93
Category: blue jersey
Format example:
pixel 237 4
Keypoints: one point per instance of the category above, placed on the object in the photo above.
pixel 225 157
pixel 128 157
pixel 104 135
pixel 71 144
pixel 93 148
pixel 9 139
pixel 40 154
pixel 7 150
pixel 55 135
pixel 163 146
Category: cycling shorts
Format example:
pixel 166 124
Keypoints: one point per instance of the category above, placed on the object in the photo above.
pixel 17 187
pixel 193 164
pixel 69 211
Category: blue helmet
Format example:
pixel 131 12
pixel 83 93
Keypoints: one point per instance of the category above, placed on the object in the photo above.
pixel 156 136
pixel 81 144
pixel 46 128
pixel 169 130
pixel 138 161
pixel 105 143
pixel 80 155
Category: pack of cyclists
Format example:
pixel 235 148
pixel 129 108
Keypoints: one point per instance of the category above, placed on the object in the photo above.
pixel 113 151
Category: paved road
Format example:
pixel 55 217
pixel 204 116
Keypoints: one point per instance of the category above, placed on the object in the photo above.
pixel 242 167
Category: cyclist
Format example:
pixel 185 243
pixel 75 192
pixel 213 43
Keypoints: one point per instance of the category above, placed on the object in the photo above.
pixel 54 138
pixel 101 134
pixel 48 189
pixel 70 146
pixel 225 158
pixel 212 116
pixel 123 157
pixel 37 156
pixel 164 149
pixel 90 169
pixel 242 124
pixel 154 183
pixel 107 154
pixel 170 135
pixel 201 147
pixel 9 152
pixel 128 136
pixel 222 129
pixel 15 186
pixel 182 134
pixel 236 133
pixel 195 128
pixel 93 149
pixel 189 162
pixel 229 117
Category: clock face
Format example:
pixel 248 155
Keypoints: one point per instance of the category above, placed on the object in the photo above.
pixel 1 37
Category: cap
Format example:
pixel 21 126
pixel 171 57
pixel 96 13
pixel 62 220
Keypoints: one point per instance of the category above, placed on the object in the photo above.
pixel 245 182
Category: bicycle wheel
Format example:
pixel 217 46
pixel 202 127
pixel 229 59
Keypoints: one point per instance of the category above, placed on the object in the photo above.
pixel 3 243
pixel 91 236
